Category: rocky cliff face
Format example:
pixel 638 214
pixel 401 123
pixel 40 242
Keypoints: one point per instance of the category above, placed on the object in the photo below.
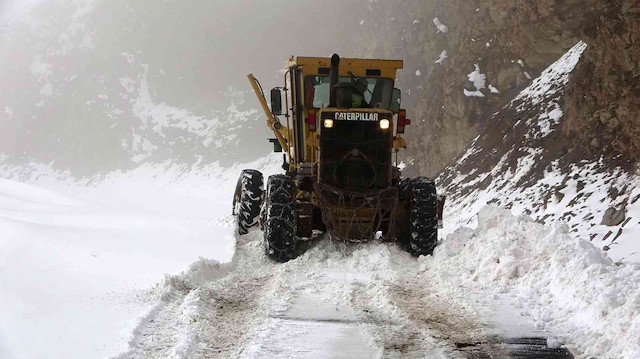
pixel 603 101
pixel 523 161
pixel 467 59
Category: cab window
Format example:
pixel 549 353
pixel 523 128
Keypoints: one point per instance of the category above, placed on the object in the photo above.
pixel 376 91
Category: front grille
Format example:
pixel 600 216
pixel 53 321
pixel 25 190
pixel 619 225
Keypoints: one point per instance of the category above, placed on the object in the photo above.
pixel 355 155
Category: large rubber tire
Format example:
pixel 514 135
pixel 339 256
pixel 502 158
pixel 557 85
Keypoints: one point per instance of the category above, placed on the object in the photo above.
pixel 280 219
pixel 248 199
pixel 423 218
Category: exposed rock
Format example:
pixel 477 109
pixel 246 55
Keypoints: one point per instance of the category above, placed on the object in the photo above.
pixel 608 79
pixel 613 217
pixel 612 124
pixel 512 41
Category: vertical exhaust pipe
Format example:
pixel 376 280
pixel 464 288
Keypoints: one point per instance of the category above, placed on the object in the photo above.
pixel 333 73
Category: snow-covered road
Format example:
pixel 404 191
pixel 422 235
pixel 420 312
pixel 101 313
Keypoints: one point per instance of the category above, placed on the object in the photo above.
pixel 335 301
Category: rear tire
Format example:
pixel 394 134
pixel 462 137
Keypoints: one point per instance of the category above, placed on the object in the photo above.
pixel 423 219
pixel 280 218
pixel 248 199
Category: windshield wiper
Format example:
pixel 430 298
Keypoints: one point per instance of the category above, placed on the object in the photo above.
pixel 365 87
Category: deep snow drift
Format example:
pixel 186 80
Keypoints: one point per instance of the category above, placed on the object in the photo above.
pixel 75 271
pixel 78 263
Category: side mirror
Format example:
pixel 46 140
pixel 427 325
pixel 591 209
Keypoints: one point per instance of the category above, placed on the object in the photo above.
pixel 396 100
pixel 276 101
pixel 276 145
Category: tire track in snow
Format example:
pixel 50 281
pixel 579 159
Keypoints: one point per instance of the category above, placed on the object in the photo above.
pixel 335 292
pixel 204 313
pixel 399 333
pixel 155 335
pixel 445 317
pixel 229 310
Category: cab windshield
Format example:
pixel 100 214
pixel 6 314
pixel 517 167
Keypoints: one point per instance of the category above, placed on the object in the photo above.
pixel 375 91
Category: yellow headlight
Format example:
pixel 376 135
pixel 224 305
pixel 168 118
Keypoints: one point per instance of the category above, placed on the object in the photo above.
pixel 384 124
pixel 328 123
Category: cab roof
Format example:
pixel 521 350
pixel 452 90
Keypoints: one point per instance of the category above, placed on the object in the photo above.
pixel 360 67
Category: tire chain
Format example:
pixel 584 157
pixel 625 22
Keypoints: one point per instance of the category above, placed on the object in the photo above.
pixel 280 220
pixel 251 187
pixel 423 235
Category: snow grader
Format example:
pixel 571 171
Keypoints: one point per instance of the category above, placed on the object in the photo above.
pixel 342 127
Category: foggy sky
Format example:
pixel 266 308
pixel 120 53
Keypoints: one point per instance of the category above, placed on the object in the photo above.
pixel 71 71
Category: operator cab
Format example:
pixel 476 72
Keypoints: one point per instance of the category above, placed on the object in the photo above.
pixel 316 88
pixel 353 92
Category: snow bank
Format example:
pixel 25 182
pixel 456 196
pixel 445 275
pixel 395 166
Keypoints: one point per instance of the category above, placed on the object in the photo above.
pixel 563 287
pixel 565 283
pixel 202 271
pixel 21 194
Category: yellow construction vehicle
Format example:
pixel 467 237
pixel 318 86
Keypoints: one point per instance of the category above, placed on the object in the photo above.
pixel 341 126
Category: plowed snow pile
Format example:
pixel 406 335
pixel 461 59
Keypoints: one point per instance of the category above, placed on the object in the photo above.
pixel 564 283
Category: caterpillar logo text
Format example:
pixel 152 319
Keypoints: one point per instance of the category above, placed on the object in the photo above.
pixel 357 116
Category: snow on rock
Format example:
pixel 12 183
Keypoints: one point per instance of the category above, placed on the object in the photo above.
pixel 565 283
pixel 547 121
pixel 443 56
pixel 441 27
pixel 576 276
pixel 557 74
pixel 516 163
pixel 479 81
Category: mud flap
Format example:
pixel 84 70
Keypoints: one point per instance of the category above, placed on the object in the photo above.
pixel 304 212
pixel 440 208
